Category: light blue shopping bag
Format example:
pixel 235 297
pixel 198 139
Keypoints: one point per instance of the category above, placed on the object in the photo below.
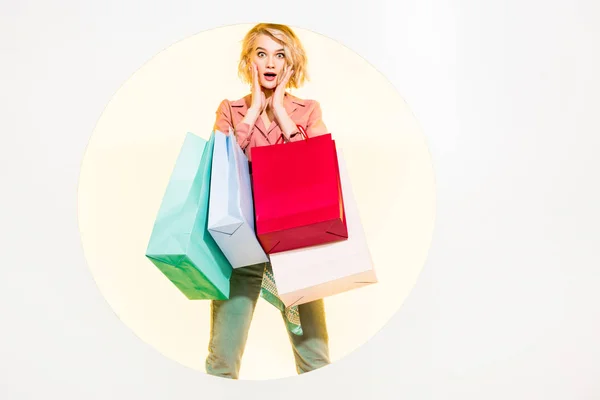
pixel 180 245
pixel 231 210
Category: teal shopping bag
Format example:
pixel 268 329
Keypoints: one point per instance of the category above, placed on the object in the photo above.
pixel 180 244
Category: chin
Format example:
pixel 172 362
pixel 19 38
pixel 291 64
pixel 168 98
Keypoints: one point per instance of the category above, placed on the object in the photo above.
pixel 269 85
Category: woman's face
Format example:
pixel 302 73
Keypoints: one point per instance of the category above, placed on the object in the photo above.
pixel 269 57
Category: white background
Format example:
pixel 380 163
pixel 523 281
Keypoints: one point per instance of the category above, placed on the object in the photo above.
pixel 507 304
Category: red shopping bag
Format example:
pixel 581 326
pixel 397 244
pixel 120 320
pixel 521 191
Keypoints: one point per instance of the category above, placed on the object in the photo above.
pixel 298 198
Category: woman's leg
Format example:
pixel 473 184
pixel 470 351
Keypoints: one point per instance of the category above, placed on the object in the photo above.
pixel 311 349
pixel 230 322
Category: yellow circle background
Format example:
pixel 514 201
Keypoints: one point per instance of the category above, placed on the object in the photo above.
pixel 131 154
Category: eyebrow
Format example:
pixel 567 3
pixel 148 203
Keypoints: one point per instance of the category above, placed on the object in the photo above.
pixel 260 48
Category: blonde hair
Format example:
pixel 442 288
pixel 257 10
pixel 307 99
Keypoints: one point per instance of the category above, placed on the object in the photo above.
pixel 295 56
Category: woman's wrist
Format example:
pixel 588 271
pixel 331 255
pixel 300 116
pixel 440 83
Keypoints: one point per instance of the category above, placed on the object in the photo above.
pixel 288 126
pixel 251 116
pixel 279 112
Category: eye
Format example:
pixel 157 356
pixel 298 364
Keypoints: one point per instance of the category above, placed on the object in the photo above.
pixel 280 55
pixel 261 53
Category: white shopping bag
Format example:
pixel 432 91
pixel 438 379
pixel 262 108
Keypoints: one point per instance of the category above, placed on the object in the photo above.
pixel 231 209
pixel 316 272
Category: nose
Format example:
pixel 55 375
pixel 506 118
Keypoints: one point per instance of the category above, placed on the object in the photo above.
pixel 270 62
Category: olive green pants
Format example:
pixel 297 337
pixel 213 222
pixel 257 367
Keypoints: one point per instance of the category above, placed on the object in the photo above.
pixel 230 322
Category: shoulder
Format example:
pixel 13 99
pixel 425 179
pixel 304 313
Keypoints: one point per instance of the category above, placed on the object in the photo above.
pixel 241 102
pixel 226 104
pixel 307 104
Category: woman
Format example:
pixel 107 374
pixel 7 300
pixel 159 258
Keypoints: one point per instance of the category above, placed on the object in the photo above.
pixel 272 60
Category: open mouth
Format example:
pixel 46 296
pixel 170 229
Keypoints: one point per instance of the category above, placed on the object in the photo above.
pixel 270 76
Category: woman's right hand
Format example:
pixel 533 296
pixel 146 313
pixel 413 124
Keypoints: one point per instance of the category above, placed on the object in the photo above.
pixel 259 101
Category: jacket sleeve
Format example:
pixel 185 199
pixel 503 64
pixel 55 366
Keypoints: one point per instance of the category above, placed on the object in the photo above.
pixel 224 121
pixel 315 125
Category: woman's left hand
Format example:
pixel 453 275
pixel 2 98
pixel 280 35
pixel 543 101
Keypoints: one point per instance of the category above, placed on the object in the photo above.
pixel 288 126
pixel 279 93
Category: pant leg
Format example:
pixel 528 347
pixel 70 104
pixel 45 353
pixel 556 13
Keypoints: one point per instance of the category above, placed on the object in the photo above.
pixel 230 322
pixel 311 349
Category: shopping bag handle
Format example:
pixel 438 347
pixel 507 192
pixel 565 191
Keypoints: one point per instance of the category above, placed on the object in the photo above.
pixel 302 131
